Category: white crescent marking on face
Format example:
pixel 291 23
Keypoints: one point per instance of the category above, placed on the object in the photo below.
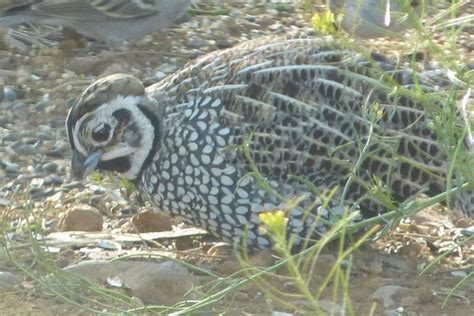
pixel 75 135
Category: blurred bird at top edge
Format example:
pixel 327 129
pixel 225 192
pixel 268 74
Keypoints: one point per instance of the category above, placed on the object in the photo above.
pixel 111 21
pixel 376 18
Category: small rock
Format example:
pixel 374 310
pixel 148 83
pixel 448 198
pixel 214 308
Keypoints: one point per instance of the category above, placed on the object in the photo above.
pixel 196 43
pixel 53 180
pixel 228 267
pixel 424 295
pixel 115 68
pixel 195 53
pixel 158 76
pixel 276 313
pixel 241 296
pixel 9 94
pixel 325 305
pixel 150 221
pixel 114 282
pixel 289 287
pixel 45 136
pixel 50 167
pixel 164 283
pixel 82 218
pixel 74 185
pixel 128 228
pixel 263 259
pixel 10 137
pixel 84 65
pixel 40 193
pixel 7 281
pixel 224 43
pixel 37 183
pixel 9 167
pixel 42 105
pixel 459 274
pixel 183 243
pixel 26 150
pixel 389 296
pixel 168 68
pixel 394 312
pixel 109 245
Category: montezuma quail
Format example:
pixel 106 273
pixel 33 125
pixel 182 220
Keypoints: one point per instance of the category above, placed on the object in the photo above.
pixel 307 113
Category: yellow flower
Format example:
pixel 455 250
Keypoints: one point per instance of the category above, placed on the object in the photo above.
pixel 275 220
pixel 324 22
pixel 376 112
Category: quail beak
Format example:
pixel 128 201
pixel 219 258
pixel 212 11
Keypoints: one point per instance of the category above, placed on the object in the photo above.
pixel 81 166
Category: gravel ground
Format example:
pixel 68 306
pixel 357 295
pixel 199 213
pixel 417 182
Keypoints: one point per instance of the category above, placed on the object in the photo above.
pixel 39 86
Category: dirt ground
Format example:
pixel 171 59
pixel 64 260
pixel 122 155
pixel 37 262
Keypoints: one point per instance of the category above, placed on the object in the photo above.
pixel 386 272
pixel 35 159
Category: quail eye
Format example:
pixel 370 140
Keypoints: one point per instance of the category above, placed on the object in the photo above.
pixel 101 133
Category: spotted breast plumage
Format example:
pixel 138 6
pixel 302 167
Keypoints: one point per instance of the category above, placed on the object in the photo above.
pixel 244 130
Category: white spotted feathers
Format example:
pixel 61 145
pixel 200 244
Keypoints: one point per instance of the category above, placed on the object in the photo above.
pixel 244 130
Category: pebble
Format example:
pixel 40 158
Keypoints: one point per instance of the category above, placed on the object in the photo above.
pixel 195 53
pixel 150 221
pixel 459 274
pixel 41 194
pixel 9 167
pixel 73 185
pixel 183 243
pixel 10 137
pixel 4 121
pixel 289 287
pixel 327 306
pixel 241 296
pixel 159 75
pixel 53 180
pixel 108 245
pixel 36 183
pixel 390 296
pixel 82 218
pixel 197 43
pixel 115 68
pixel 50 167
pixel 26 150
pixel 168 68
pixel 45 136
pixel 9 94
pixel 162 283
pixel 228 267
pixel 7 281
pixel 42 105
pixel 84 64
pixel 224 43
pixel 394 312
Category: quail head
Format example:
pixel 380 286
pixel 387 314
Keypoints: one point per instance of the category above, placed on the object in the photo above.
pixel 112 21
pixel 375 18
pixel 245 130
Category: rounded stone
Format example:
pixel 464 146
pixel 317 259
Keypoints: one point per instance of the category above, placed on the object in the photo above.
pixel 82 218
pixel 7 281
pixel 50 167
pixel 150 221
